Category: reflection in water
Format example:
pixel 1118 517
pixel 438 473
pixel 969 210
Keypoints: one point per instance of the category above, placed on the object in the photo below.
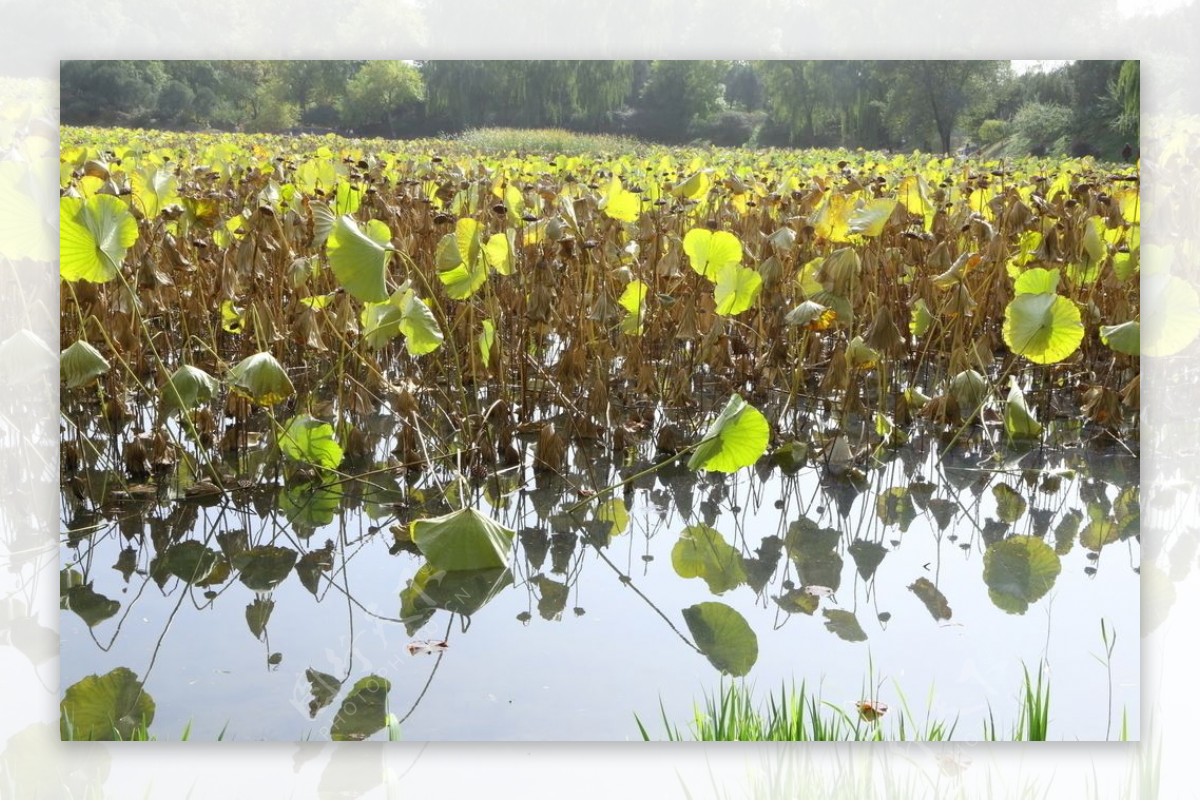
pixel 727 567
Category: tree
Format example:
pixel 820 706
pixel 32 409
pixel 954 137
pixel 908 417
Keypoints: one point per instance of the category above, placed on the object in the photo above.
pixel 677 96
pixel 379 91
pixel 931 96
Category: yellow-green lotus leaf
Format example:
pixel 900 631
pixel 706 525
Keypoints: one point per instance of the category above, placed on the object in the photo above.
pixel 1044 328
pixel 709 251
pixel 736 439
pixel 737 289
pixel 94 235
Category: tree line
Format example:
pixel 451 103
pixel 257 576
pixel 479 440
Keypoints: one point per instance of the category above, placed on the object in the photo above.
pixel 1080 108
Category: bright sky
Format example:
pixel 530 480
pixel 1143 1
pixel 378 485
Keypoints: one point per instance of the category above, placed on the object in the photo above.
pixel 1046 65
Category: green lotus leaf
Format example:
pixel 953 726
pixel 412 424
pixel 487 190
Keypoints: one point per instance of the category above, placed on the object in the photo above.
pixel 264 567
pixel 310 504
pixel 709 251
pixel 359 258
pixel 1124 338
pixel 187 388
pixel 870 219
pixel 932 597
pixel 80 363
pixel 552 597
pixel 1019 571
pixel 363 711
pixel 969 389
pixel 487 338
pixel 324 689
pixel 499 251
pixel 154 189
pixel 723 636
pixel 701 552
pixel 94 235
pixel 895 507
pixel 613 515
pixel 736 439
pixel 461 265
pixel 463 540
pixel 262 379
pixel 737 289
pixel 258 614
pixel 844 624
pixel 1019 419
pixel 867 556
pixel 463 592
pixel 108 707
pixel 1101 529
pixel 921 318
pixel 633 299
pixel 619 203
pixel 1037 281
pixel 90 605
pixel 422 334
pixel 189 561
pixel 1009 503
pixel 1043 328
pixel 310 441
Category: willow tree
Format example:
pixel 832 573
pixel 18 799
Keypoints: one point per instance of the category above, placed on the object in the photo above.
pixel 526 93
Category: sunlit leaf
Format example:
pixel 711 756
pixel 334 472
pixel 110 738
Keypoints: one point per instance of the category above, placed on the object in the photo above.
pixel 619 203
pixel 737 289
pixel 487 338
pixel 499 251
pixel 870 219
pixel 1043 328
pixel 736 439
pixel 1036 282
pixel 359 258
pixel 422 334
pixel 94 236
pixel 709 251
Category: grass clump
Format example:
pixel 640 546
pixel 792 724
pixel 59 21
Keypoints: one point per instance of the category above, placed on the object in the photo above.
pixel 556 141
pixel 793 715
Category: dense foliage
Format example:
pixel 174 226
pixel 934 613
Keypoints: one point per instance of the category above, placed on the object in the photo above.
pixel 936 106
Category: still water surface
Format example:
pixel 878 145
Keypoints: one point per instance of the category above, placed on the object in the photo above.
pixel 586 634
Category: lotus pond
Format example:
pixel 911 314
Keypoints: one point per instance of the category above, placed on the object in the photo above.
pixel 380 439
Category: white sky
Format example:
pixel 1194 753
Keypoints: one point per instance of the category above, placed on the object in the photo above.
pixel 1045 65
